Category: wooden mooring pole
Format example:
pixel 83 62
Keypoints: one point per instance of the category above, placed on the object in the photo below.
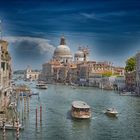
pixel 41 113
pixel 28 106
pixel 25 107
pixel 36 116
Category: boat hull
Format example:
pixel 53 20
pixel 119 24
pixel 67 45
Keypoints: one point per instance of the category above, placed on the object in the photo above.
pixel 111 114
pixel 10 127
pixel 78 116
pixel 41 87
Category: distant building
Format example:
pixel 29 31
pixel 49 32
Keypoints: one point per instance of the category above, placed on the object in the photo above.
pixel 83 74
pixel 31 75
pixel 50 71
pixel 72 75
pixel 119 83
pixel 91 72
pixel 100 67
pixel 138 73
pixel 80 70
pixel 120 71
pixel 130 79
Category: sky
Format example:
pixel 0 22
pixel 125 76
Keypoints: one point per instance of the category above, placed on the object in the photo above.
pixel 110 29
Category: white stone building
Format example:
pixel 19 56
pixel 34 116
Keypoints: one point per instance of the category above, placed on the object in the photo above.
pixel 31 75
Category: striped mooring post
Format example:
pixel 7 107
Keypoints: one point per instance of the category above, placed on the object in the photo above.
pixel 17 129
pixel 4 133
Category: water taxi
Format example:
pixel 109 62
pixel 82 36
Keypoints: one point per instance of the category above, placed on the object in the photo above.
pixel 41 86
pixel 111 112
pixel 80 110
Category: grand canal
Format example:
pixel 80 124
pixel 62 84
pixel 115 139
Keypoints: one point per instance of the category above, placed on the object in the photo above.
pixel 58 125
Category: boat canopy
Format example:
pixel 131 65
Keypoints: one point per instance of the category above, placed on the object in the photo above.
pixel 80 104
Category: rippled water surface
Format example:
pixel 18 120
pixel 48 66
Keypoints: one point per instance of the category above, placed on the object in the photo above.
pixel 58 125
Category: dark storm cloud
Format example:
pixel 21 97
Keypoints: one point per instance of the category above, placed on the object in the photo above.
pixel 25 48
pixel 30 50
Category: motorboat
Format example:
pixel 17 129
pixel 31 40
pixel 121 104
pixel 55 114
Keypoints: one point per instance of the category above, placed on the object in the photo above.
pixel 80 110
pixel 111 112
pixel 126 93
pixel 74 87
pixel 41 86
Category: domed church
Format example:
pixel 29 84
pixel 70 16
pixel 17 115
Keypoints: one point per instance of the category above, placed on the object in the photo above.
pixel 62 53
pixel 62 68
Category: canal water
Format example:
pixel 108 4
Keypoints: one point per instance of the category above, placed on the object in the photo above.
pixel 58 125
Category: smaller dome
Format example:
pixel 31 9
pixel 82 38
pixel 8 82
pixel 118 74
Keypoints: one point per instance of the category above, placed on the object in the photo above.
pixel 79 54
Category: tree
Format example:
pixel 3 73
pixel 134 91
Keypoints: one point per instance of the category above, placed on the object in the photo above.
pixel 130 64
pixel 107 74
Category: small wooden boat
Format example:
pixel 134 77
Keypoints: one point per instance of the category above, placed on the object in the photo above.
pixel 80 110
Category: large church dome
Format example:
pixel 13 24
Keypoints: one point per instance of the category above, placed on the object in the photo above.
pixel 62 51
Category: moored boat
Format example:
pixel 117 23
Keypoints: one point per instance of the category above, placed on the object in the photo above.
pixel 80 110
pixel 126 93
pixel 41 86
pixel 10 126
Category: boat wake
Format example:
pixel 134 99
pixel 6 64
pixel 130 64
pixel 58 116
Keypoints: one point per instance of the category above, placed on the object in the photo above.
pixel 93 118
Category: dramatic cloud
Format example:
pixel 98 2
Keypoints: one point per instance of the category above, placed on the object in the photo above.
pixel 29 51
pixel 41 44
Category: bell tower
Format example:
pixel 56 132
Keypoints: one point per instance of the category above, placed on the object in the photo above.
pixel 63 40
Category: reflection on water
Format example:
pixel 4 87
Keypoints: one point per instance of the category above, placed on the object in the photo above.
pixel 57 123
pixel 80 124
